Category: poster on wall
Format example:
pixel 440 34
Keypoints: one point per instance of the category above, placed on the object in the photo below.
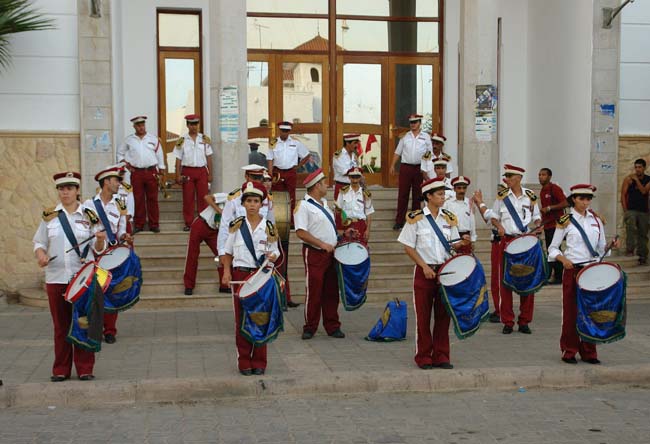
pixel 485 122
pixel 229 114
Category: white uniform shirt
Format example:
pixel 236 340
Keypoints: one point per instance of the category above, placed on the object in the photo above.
pixel 342 163
pixel 123 193
pixel 51 238
pixel 465 214
pixel 355 204
pixel 286 154
pixel 141 153
pixel 421 236
pixel 208 214
pixel 522 205
pixel 236 247
pixel 576 250
pixel 117 221
pixel 310 218
pixel 234 209
pixel 412 148
pixel 193 153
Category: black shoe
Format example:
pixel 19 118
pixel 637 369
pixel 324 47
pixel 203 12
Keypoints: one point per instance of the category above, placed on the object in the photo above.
pixel 292 304
pixel 643 261
pixel 495 318
pixel 444 365
pixel 258 371
pixel 186 228
pixel 525 329
pixel 188 292
pixel 247 372
pixel 337 334
pixel 155 230
pixel 398 226
pixel 224 290
pixel 570 360
pixel 109 339
pixel 426 366
pixel 58 378
pixel 86 377
pixel 307 335
pixel 137 230
pixel 591 361
pixel 506 330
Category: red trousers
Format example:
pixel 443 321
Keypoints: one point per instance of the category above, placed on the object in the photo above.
pixel 322 290
pixel 110 324
pixel 570 342
pixel 283 262
pixel 495 276
pixel 431 346
pixel 410 180
pixel 526 303
pixel 220 271
pixel 195 187
pixel 287 183
pixel 200 231
pixel 248 356
pixel 64 355
pixel 145 192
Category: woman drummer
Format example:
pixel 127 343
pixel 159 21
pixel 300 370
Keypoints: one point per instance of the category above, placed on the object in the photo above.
pixel 251 360
pixel 576 252
pixel 356 205
pixel 56 249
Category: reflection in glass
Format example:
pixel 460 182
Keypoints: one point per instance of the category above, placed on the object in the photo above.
pixel 273 33
pixel 288 6
pixel 302 97
pixel 314 143
pixel 179 95
pixel 362 93
pixel 395 8
pixel 370 153
pixel 258 93
pixel 180 30
pixel 414 93
pixel 359 35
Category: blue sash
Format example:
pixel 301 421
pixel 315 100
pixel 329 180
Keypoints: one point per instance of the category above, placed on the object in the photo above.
pixel 441 237
pixel 69 234
pixel 112 240
pixel 248 240
pixel 514 215
pixel 311 201
pixel 584 236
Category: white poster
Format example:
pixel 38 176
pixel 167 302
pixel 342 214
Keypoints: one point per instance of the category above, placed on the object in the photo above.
pixel 229 114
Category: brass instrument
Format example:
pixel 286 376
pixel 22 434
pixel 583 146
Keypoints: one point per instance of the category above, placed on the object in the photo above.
pixel 162 187
pixel 273 139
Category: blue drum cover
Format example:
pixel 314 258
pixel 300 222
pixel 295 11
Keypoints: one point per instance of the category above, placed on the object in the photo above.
pixel 261 314
pixel 526 272
pixel 467 302
pixel 124 289
pixel 89 306
pixel 391 326
pixel 602 314
pixel 353 283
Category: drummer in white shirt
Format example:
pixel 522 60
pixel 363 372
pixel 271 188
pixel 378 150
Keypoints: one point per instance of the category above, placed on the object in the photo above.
pixel 355 204
pixel 462 207
pixel 239 264
pixel 576 251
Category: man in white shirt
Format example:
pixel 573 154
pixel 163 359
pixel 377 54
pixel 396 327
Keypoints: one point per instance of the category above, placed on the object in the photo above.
pixel 434 167
pixel 410 149
pixel 344 159
pixel 438 143
pixel 193 168
pixel 462 207
pixel 143 154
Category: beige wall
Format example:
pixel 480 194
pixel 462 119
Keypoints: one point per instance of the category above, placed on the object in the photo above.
pixel 630 148
pixel 27 162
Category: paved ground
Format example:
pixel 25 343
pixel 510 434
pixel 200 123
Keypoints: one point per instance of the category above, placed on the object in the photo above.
pixel 532 417
pixel 191 344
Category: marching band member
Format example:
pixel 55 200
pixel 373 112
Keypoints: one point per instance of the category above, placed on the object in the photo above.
pixel 193 168
pixel 125 192
pixel 436 167
pixel 112 211
pixel 249 231
pixel 344 159
pixel 584 233
pixel 410 150
pixel 63 228
pixel 464 210
pixel 438 143
pixel 426 238
pixel 355 204
pixel 513 210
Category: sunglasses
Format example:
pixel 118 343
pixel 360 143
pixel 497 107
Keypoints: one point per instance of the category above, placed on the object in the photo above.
pixel 461 187
pixel 508 175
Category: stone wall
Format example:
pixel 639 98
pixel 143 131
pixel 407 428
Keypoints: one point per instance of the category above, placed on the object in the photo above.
pixel 630 148
pixel 27 163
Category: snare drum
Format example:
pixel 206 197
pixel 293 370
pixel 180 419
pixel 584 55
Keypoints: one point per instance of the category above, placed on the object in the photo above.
pixel 352 270
pixel 525 269
pixel 124 290
pixel 82 280
pixel 464 293
pixel 601 302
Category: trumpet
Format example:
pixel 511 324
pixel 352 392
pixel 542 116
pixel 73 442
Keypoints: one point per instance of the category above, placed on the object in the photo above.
pixel 162 187
pixel 273 139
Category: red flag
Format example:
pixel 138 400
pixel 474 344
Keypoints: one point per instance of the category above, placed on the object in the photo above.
pixel 371 139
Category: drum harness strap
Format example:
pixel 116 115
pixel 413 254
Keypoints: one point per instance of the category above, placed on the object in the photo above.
pixel 248 240
pixel 441 237
pixel 584 236
pixel 514 215
pixel 320 207
pixel 102 216
pixel 67 229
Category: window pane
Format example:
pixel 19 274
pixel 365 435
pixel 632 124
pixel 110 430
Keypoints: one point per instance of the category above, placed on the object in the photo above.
pixel 258 94
pixel 313 142
pixel 358 35
pixel 395 8
pixel 179 95
pixel 272 33
pixel 362 93
pixel 414 94
pixel 302 97
pixel 178 30
pixel 288 6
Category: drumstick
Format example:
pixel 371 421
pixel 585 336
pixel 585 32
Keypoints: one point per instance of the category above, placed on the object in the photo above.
pixel 445 273
pixel 51 259
pixel 84 241
pixel 607 250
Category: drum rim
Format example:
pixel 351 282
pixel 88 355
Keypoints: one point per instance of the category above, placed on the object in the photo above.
pixel 347 243
pixel 110 250
pixel 505 249
pixel 445 263
pixel 87 282
pixel 612 264
pixel 270 273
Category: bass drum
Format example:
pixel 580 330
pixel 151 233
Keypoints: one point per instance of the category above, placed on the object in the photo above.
pixel 282 213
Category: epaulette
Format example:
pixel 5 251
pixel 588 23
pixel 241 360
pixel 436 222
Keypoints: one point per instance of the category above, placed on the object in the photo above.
pixel 532 196
pixel 234 194
pixel 271 232
pixel 345 189
pixel 92 216
pixel 207 140
pixel 446 156
pixel 49 214
pixel 450 217
pixel 180 141
pixel 127 187
pixel 503 193
pixel 414 216
pixel 602 219
pixel 235 224
pixel 337 153
pixel 269 196
pixel 563 221
pixel 121 205
pixel 367 193
pixel 427 155
pixel 295 209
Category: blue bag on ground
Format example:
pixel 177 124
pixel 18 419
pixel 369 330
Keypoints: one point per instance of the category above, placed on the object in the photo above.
pixel 392 324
